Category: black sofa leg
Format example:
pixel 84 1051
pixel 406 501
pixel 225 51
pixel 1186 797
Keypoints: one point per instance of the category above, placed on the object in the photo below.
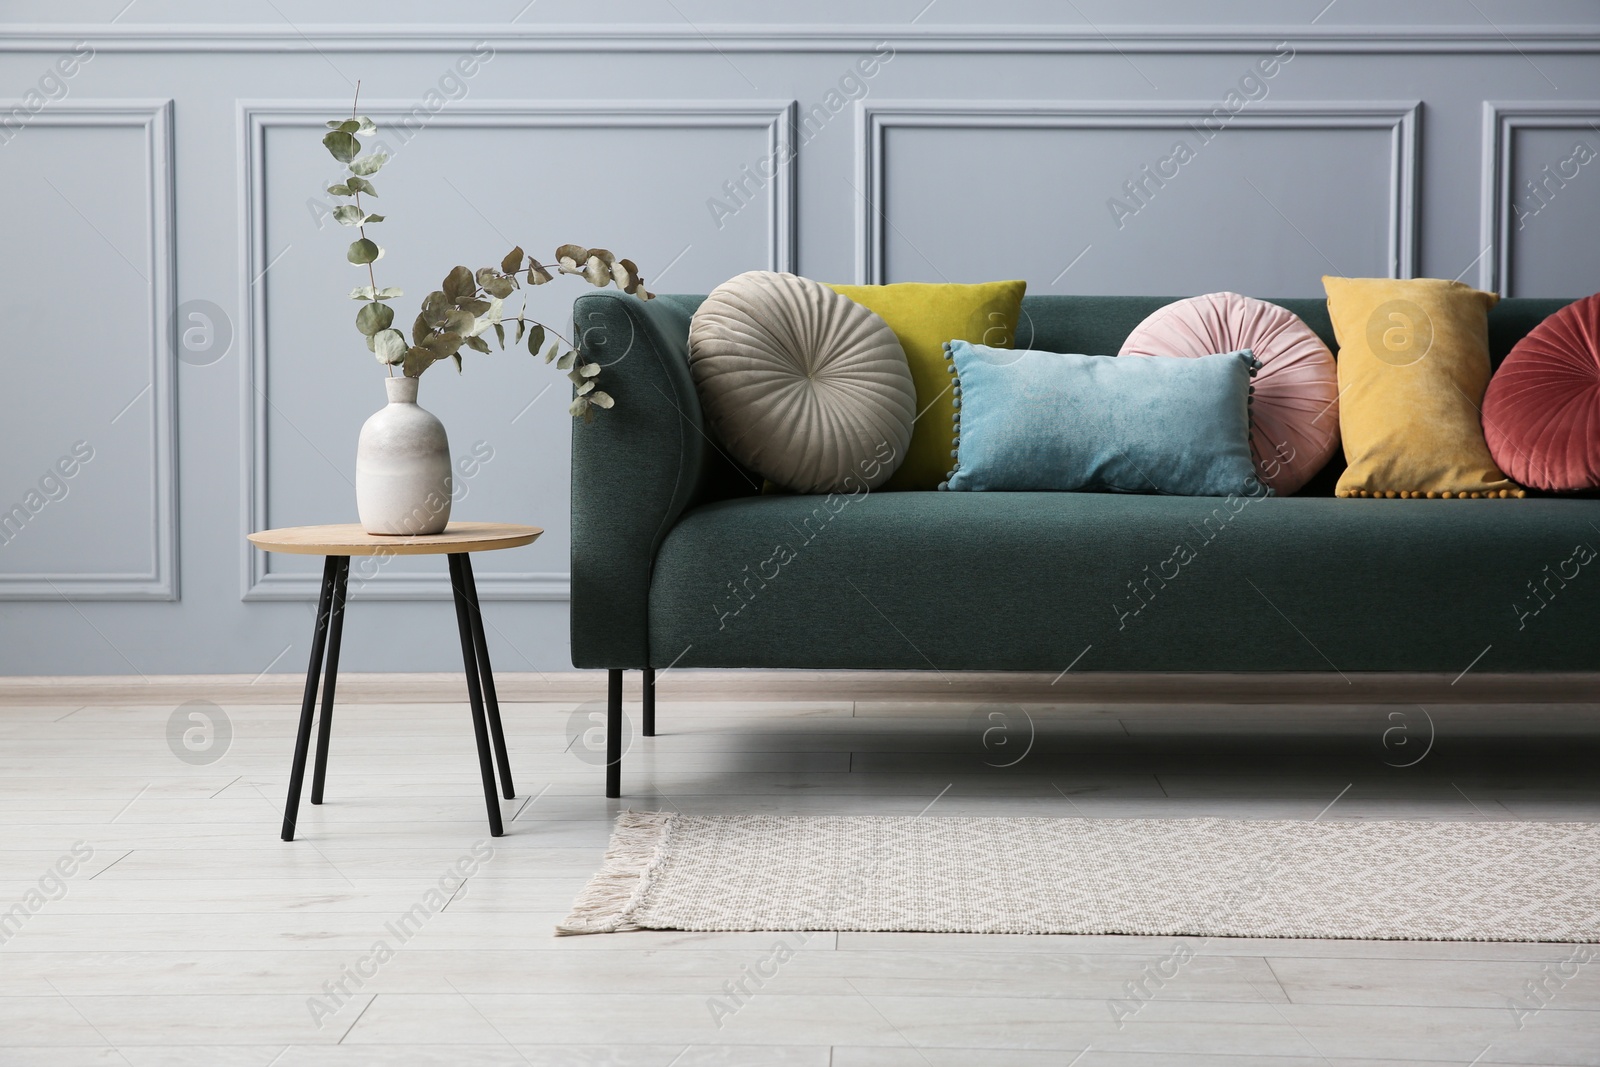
pixel 649 729
pixel 614 734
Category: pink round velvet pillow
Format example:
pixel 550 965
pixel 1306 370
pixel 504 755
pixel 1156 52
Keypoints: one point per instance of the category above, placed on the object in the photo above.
pixel 1541 414
pixel 1294 414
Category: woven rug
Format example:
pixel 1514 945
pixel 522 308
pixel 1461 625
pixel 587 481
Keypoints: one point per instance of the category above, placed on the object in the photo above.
pixel 1450 881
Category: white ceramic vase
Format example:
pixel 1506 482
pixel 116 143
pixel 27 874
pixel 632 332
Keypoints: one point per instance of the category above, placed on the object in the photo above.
pixel 403 467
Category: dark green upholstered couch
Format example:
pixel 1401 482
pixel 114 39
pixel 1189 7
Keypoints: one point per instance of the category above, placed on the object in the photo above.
pixel 678 560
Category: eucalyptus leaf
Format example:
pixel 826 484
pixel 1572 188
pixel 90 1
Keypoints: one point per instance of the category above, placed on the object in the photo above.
pixel 551 353
pixel 475 306
pixel 500 286
pixel 390 346
pixel 521 328
pixel 334 124
pixel 626 274
pixel 420 329
pixel 349 215
pixel 459 285
pixel 457 357
pixel 363 251
pixel 359 185
pixel 443 344
pixel 589 370
pixel 597 272
pixel 579 406
pixel 368 164
pixel 417 360
pixel 537 274
pixel 436 309
pixel 586 387
pixel 500 335
pixel 374 317
pixel 570 256
pixel 342 189
pixel 513 261
pixel 352 126
pixel 461 322
pixel 364 292
pixel 489 316
pixel 342 146
pixel 364 126
pixel 565 362
pixel 478 344
pixel 536 340
pixel 390 292
pixel 373 218
pixel 601 399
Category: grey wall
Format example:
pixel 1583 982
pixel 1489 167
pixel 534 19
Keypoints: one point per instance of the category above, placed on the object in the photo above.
pixel 155 167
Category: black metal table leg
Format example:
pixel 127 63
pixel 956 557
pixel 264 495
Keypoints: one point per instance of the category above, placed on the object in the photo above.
pixel 491 702
pixel 469 659
pixel 319 773
pixel 649 716
pixel 302 741
pixel 614 733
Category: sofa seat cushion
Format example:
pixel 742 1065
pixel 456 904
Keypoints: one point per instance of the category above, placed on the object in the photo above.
pixel 1102 582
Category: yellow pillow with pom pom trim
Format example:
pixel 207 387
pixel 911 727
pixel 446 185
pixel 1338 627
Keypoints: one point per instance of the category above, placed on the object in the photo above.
pixel 1413 367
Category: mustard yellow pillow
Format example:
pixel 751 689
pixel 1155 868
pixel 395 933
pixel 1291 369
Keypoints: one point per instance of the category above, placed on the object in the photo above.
pixel 924 316
pixel 1413 367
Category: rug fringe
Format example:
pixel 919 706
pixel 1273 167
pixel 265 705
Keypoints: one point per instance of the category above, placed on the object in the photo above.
pixel 607 903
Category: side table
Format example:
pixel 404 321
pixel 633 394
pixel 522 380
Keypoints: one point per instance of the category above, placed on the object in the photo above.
pixel 338 543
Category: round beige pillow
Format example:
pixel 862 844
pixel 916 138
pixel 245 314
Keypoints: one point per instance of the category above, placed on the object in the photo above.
pixel 804 386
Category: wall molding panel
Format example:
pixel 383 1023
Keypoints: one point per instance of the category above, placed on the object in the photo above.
pixel 1501 120
pixel 1401 119
pixel 681 37
pixel 774 120
pixel 160 582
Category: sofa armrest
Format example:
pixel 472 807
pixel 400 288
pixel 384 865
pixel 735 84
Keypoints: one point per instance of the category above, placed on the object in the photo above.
pixel 635 469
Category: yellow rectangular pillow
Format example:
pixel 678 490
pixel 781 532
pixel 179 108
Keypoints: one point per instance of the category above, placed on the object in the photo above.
pixel 924 315
pixel 1413 367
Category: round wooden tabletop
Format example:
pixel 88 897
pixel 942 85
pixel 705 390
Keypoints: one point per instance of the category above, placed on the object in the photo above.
pixel 349 539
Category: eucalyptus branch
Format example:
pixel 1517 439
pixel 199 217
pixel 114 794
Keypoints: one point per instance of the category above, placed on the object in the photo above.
pixel 354 103
pixel 468 304
pixel 524 316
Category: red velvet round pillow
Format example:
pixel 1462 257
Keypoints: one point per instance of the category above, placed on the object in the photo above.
pixel 1541 414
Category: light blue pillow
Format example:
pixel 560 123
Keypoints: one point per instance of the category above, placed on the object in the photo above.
pixel 1030 420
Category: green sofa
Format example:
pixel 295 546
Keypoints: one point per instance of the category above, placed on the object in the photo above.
pixel 679 560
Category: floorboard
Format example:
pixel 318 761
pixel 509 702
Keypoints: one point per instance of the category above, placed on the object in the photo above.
pixel 192 935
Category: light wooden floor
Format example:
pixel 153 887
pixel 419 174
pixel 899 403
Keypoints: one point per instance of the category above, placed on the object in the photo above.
pixel 192 935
